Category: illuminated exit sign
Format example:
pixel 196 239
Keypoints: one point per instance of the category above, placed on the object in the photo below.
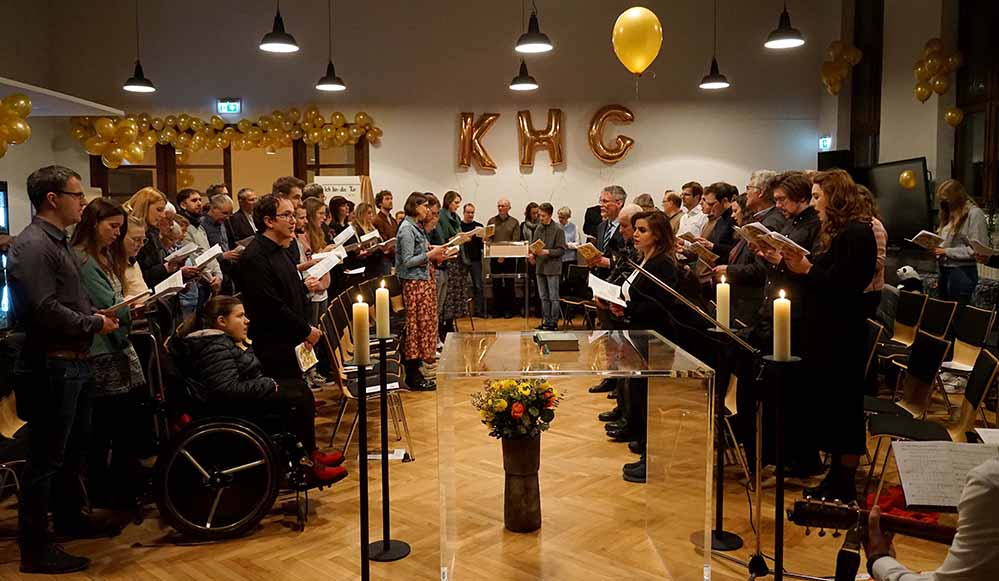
pixel 228 106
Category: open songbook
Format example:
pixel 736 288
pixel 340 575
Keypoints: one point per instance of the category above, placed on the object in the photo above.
pixel 702 253
pixel 928 240
pixel 325 264
pixel 207 256
pixel 127 302
pixel 536 246
pixel 588 251
pixel 983 249
pixel 489 231
pixel 306 356
pixel 182 252
pixel 170 285
pixel 758 234
pixel 245 241
pixel 460 238
pixel 605 291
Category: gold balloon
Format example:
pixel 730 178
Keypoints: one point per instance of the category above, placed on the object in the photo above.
pixel 920 71
pixel 217 122
pixel 922 91
pixel 244 125
pixel 15 130
pixel 955 61
pixel 371 137
pixel 338 119
pixel 229 132
pixel 315 136
pixel 637 38
pixel 907 179
pixel 170 121
pixel 294 114
pixel 183 141
pixel 287 125
pixel 854 55
pixel 134 153
pixel 78 133
pixel 341 136
pixel 104 127
pixel 265 121
pixel 183 122
pixel 829 70
pixel 126 132
pixel 470 134
pixel 940 84
pixel 149 140
pixel 362 119
pixel 933 45
pixel 933 63
pixel 157 123
pixel 277 115
pixel 356 131
pixel 835 50
pixel 255 134
pixel 95 145
pixel 115 155
pixel 3 148
pixel 328 131
pixel 167 135
pixel 19 104
pixel 144 119
pixel 376 130
pixel 622 143
pixel 197 124
pixel 531 139
pixel 953 116
pixel 311 112
pixel 296 133
pixel 183 157
pixel 834 86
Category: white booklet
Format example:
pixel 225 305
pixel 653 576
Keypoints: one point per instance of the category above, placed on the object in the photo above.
pixel 127 301
pixel 933 473
pixel 606 291
pixel 207 256
pixel 344 236
pixel 988 435
pixel 983 249
pixel 182 252
pixel 170 285
pixel 785 243
pixel 371 236
pixel 927 239
pixel 325 265
pixel 355 271
pixel 306 356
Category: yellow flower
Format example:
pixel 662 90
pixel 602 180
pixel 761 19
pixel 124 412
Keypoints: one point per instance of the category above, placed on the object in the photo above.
pixel 500 405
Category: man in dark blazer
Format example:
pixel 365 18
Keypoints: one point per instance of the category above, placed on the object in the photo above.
pixel 241 221
pixel 609 239
pixel 591 220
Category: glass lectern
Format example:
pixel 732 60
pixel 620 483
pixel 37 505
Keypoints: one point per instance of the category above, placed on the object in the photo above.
pixel 594 524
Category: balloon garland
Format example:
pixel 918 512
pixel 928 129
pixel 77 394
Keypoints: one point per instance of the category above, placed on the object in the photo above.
pixel 842 56
pixel 129 138
pixel 933 70
pixel 14 128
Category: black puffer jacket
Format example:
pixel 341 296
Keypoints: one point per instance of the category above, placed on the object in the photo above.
pixel 216 370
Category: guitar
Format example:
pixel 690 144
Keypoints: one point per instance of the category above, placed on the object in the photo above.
pixel 853 519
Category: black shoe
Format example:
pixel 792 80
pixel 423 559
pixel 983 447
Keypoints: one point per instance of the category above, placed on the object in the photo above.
pixel 837 485
pixel 51 560
pixel 624 435
pixel 636 447
pixel 611 395
pixel 636 474
pixel 541 327
pixel 610 416
pixel 602 387
pixel 87 528
pixel 508 316
pixel 425 385
pixel 632 466
pixel 621 424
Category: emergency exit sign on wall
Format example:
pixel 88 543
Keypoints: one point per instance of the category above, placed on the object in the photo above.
pixel 228 106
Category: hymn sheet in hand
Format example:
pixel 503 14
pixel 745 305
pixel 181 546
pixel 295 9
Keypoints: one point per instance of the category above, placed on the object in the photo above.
pixel 606 291
pixel 928 240
pixel 306 356
pixel 933 473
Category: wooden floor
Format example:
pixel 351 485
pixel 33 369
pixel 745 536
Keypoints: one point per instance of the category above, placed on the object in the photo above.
pixel 594 525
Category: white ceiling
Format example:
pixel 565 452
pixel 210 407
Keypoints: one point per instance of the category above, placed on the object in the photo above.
pixel 49 103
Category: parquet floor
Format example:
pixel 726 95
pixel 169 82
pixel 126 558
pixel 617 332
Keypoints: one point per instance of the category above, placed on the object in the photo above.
pixel 594 525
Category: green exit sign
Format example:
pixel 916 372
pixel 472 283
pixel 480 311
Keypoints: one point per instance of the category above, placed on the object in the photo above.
pixel 228 106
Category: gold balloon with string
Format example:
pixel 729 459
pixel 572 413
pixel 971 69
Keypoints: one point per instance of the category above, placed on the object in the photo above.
pixel 940 84
pixel 953 116
pixel 922 91
pixel 907 179
pixel 637 37
pixel 18 104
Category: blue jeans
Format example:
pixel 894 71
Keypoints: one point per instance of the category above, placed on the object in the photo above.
pixel 478 287
pixel 55 397
pixel 548 292
pixel 957 283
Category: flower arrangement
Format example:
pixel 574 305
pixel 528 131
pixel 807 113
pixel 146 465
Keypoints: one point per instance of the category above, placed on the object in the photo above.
pixel 517 409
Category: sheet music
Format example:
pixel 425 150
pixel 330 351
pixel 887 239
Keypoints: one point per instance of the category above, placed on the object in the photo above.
pixel 933 473
pixel 988 435
pixel 606 291
pixel 323 266
pixel 207 256
pixel 182 252
pixel 355 271
pixel 343 236
pixel 370 236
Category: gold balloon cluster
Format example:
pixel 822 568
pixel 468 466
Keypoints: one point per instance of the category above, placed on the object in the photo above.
pixel 933 70
pixel 129 138
pixel 842 56
pixel 14 128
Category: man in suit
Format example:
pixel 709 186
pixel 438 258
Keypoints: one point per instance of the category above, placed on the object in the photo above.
pixel 609 238
pixel 216 224
pixel 591 219
pixel 241 221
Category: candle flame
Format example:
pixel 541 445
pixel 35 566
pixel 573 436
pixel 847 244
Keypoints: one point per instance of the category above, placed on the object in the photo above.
pixel 360 299
pixel 782 293
pixel 723 279
pixel 383 284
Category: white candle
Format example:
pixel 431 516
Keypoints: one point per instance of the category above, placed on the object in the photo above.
pixel 382 313
pixel 782 328
pixel 362 350
pixel 722 293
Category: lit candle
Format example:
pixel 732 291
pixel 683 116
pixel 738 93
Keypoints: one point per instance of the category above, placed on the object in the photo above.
pixel 782 328
pixel 362 355
pixel 382 313
pixel 722 291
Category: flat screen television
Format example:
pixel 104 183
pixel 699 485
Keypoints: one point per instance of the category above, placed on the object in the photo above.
pixel 903 212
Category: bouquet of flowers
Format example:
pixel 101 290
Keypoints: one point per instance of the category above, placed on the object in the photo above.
pixel 517 409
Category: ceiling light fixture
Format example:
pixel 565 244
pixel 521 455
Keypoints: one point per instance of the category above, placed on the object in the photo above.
pixel 784 36
pixel 714 79
pixel 523 81
pixel 138 83
pixel 330 82
pixel 533 41
pixel 277 40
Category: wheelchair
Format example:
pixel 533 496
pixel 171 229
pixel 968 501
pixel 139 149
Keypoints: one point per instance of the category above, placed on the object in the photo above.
pixel 215 477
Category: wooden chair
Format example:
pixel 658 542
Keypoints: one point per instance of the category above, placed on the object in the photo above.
pixel 937 317
pixel 918 376
pixel 908 317
pixel 9 425
pixel 971 329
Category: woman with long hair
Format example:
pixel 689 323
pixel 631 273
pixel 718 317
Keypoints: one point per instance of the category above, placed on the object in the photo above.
pixel 98 242
pixel 419 292
pixel 224 376
pixel 961 221
pixel 455 303
pixel 339 213
pixel 833 279
pixel 363 222
pixel 312 242
pixel 149 205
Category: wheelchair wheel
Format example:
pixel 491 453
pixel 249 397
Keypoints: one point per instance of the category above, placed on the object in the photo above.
pixel 218 479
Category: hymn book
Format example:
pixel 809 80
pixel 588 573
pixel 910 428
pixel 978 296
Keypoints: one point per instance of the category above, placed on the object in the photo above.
pixel 933 473
pixel 245 241
pixel 207 256
pixel 928 240
pixel 306 357
pixel 127 302
pixel 536 246
pixel 983 249
pixel 325 264
pixel 170 285
pixel 182 252
pixel 702 253
pixel 489 231
pixel 588 251
pixel 605 291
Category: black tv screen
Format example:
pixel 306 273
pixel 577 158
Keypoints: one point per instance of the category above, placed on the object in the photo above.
pixel 903 212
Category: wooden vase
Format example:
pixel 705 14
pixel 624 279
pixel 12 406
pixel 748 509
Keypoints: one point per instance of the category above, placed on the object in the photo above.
pixel 522 494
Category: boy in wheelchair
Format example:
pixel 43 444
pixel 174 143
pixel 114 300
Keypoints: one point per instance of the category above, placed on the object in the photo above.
pixel 223 377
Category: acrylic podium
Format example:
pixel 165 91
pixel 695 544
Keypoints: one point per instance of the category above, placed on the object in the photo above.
pixel 594 524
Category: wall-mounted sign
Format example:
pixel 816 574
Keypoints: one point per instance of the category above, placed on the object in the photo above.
pixel 228 106
pixel 346 186
pixel 825 143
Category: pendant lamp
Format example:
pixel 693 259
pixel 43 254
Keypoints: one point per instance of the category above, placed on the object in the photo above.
pixel 138 83
pixel 330 81
pixel 533 41
pixel 784 36
pixel 277 40
pixel 523 81
pixel 714 80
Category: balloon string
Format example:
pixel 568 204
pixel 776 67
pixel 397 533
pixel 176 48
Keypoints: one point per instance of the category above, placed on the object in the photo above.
pixel 636 85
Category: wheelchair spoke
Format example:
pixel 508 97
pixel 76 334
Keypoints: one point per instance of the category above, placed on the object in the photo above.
pixel 187 455
pixel 215 505
pixel 236 469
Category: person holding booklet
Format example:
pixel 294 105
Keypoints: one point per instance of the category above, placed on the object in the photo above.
pixel 961 221
pixel 99 244
pixel 547 258
pixel 149 205
pixel 452 293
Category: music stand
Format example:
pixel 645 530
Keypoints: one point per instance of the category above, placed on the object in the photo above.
pixel 516 251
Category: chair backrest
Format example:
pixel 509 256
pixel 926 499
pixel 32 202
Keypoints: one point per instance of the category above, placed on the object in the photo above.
pixel 874 332
pixel 983 375
pixel 937 317
pixel 924 363
pixel 907 316
pixel 971 328
pixel 576 281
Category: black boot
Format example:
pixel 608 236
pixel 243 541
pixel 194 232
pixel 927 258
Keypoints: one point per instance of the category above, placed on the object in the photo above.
pixel 610 416
pixel 839 484
pixel 603 386
pixel 632 466
pixel 637 474
pixel 51 559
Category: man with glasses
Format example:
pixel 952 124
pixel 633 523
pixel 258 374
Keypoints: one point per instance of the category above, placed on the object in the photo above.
pixel 609 238
pixel 241 222
pixel 273 292
pixel 694 218
pixel 53 381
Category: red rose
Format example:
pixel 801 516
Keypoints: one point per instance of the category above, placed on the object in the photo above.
pixel 517 410
pixel 548 394
pixel 550 404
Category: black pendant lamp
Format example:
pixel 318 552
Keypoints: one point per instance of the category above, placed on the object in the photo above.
pixel 714 80
pixel 533 41
pixel 523 81
pixel 277 40
pixel 784 36
pixel 330 82
pixel 138 83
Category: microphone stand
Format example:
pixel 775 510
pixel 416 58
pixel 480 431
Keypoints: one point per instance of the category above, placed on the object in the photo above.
pixel 757 566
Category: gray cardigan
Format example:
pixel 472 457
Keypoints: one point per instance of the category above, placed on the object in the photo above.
pixel 554 239
pixel 957 245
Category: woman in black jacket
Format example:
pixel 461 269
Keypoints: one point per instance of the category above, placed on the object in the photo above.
pixel 224 376
pixel 833 280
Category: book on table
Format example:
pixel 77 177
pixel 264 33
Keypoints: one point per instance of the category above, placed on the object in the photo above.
pixel 557 341
pixel 926 239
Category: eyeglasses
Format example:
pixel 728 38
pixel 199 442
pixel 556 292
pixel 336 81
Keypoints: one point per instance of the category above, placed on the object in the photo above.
pixel 80 196
pixel 290 216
